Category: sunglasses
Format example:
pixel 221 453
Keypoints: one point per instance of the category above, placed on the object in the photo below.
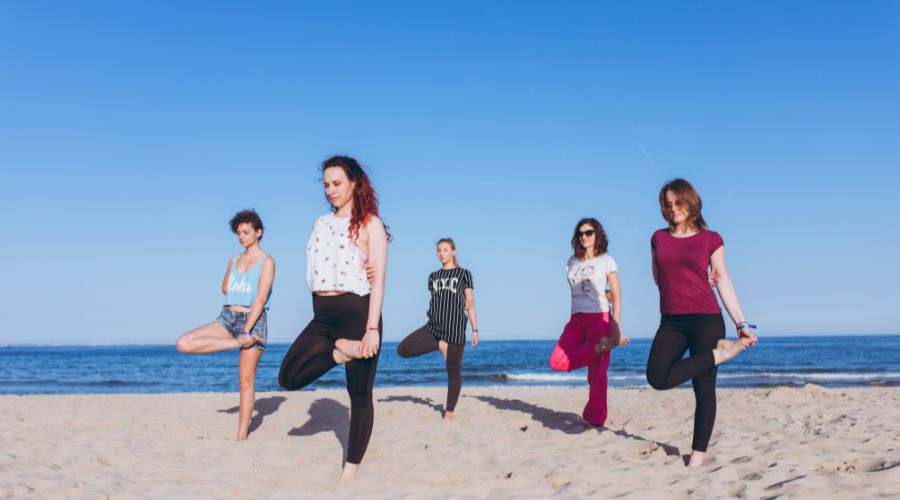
pixel 588 233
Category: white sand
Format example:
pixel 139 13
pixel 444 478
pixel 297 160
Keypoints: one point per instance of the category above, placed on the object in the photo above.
pixel 521 442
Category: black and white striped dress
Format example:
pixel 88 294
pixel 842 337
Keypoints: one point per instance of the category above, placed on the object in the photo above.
pixel 447 310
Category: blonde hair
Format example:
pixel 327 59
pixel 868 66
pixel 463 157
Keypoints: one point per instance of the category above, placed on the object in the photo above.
pixel 450 242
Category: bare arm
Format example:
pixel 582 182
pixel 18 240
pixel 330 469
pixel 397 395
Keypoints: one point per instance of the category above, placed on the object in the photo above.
pixel 225 279
pixel 470 310
pixel 728 293
pixel 377 251
pixel 615 289
pixel 266 278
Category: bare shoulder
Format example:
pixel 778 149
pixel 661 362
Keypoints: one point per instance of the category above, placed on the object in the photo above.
pixel 375 224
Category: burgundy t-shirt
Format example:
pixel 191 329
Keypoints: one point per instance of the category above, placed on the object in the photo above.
pixel 682 265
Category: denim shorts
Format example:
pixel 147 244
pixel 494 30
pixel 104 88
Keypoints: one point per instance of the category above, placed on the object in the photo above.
pixel 234 322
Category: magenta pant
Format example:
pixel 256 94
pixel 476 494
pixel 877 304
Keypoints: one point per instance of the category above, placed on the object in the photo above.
pixel 575 349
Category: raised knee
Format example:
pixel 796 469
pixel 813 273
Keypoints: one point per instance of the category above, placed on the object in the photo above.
pixel 657 382
pixel 285 382
pixel 183 345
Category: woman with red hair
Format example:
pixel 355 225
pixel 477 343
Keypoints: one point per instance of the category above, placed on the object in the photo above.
pixel 346 326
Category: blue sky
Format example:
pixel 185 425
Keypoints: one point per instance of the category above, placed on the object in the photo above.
pixel 131 132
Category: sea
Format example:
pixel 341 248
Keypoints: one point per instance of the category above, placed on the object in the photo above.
pixel 829 361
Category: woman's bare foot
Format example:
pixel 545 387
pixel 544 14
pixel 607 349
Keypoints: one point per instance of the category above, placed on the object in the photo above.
pixel 608 344
pixel 245 341
pixel 448 415
pixel 696 459
pixel 727 349
pixel 604 345
pixel 349 472
pixel 443 346
pixel 242 435
pixel 346 350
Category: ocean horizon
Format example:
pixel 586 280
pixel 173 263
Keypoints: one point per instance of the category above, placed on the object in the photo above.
pixel 832 361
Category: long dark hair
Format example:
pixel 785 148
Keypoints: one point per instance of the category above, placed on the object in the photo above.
pixel 686 195
pixel 365 200
pixel 600 244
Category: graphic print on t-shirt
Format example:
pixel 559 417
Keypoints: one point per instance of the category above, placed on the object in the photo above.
pixel 588 279
pixel 447 309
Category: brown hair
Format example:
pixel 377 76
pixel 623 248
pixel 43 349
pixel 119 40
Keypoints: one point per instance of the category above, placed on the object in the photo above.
pixel 686 195
pixel 600 244
pixel 449 241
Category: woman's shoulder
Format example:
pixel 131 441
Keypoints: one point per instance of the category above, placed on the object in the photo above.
pixel 375 222
pixel 713 238
pixel 606 258
pixel 322 219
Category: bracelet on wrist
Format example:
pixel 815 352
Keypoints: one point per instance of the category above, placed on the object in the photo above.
pixel 373 328
pixel 474 330
pixel 744 324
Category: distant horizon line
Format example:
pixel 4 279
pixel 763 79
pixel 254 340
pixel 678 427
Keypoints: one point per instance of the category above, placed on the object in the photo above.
pixel 156 344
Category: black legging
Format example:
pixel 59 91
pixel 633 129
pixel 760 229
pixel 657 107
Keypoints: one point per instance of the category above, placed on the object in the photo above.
pixel 310 357
pixel 665 368
pixel 422 341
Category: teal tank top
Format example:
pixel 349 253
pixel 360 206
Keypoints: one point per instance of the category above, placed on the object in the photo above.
pixel 243 286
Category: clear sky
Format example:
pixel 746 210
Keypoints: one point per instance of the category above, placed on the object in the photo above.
pixel 130 132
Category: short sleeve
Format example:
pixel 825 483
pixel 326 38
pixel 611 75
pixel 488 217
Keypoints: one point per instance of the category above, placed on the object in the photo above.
pixel 467 276
pixel 654 240
pixel 611 266
pixel 714 241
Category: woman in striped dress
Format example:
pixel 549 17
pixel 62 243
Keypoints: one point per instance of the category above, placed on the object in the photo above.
pixel 452 300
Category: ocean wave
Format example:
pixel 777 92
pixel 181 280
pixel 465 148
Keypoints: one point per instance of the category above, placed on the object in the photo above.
pixel 582 377
pixel 812 376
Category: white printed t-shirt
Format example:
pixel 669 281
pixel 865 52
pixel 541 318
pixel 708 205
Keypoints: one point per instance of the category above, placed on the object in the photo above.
pixel 588 281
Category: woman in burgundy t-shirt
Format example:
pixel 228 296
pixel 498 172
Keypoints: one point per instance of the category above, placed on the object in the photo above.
pixel 691 320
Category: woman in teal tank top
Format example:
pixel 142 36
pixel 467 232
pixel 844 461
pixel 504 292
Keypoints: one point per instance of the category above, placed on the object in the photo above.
pixel 242 323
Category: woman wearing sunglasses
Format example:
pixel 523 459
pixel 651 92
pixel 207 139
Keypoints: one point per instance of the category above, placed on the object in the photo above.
pixel 593 330
pixel 452 302
pixel 682 255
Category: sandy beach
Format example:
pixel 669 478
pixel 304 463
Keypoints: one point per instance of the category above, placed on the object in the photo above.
pixel 505 442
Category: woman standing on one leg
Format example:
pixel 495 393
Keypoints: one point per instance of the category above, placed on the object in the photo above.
pixel 346 326
pixel 242 323
pixel 589 335
pixel 452 299
pixel 682 255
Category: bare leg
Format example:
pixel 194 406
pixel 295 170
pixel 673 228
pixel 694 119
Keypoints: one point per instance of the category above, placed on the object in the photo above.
pixel 349 472
pixel 247 379
pixel 211 337
pixel 443 346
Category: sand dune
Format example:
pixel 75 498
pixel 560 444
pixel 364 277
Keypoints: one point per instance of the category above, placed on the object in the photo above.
pixel 505 442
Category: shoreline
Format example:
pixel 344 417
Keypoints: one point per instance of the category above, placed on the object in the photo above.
pixel 504 441
pixel 287 343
